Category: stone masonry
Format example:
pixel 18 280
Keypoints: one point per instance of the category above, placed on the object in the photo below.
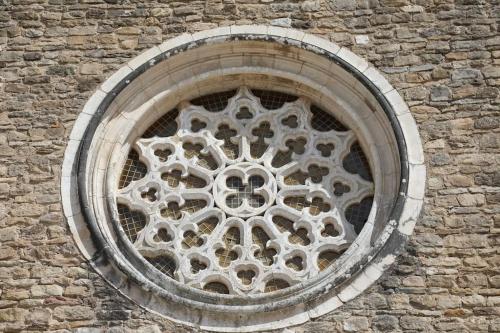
pixel 442 56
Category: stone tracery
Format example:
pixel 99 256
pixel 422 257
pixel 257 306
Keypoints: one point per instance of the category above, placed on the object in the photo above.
pixel 249 200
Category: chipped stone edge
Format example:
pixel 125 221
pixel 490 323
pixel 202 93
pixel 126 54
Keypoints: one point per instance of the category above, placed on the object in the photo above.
pixel 416 178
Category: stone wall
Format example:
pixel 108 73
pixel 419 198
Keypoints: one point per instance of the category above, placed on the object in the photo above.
pixel 442 56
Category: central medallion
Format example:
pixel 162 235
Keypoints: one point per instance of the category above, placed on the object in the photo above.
pixel 244 189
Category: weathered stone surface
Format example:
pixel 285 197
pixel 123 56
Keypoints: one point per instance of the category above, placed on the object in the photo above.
pixel 460 180
pixel 466 73
pixel 39 318
pixel 386 323
pixel 406 60
pixel 343 5
pixel 415 323
pixel 473 301
pixel 9 234
pixel 11 56
pixel 12 315
pixel 466 241
pixel 73 313
pixel 46 290
pixel 491 72
pixel 448 301
pixel 91 69
pixel 441 93
pixel 356 324
pixel 443 58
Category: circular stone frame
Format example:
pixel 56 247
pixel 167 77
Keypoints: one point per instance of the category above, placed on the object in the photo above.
pixel 83 175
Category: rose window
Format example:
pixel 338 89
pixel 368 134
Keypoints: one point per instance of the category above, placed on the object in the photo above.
pixel 245 191
pixel 244 178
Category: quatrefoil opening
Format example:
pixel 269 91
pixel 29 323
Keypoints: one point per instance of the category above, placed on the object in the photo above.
pixel 244 189
pixel 244 192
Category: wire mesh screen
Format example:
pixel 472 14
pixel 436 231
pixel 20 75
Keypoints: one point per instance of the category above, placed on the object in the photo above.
pixel 162 236
pixel 244 113
pixel 272 100
pixel 329 231
pixel 283 224
pixel 197 266
pixel 132 170
pixel 164 127
pixel 191 239
pixel 276 284
pixel 357 214
pixel 216 287
pixel 132 221
pixel 205 227
pixel 174 178
pixel 299 236
pixel 264 254
pixel 232 237
pixel 163 154
pixel 204 160
pixel 326 258
pixel 296 178
pixel 175 212
pixel 246 277
pixel 245 192
pixel 316 173
pixel 262 132
pixel 214 102
pixel 226 133
pixel 316 206
pixel 295 263
pixel 150 195
pixel 324 121
pixel 325 149
pixel 356 162
pixel 226 255
pixel 297 146
pixel 208 225
pixel 164 264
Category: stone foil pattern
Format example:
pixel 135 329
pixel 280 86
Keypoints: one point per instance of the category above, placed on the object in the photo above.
pixel 244 192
